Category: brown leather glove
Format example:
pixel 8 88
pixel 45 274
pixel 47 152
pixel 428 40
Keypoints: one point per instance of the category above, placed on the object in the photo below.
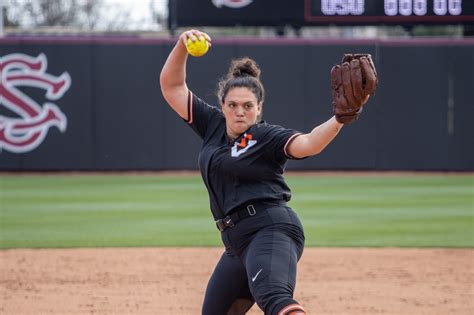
pixel 352 82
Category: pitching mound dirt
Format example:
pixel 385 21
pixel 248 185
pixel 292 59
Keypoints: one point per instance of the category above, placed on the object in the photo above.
pixel 173 280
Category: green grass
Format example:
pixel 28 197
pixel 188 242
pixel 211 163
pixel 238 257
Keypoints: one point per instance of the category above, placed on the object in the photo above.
pixel 413 211
pixel 127 210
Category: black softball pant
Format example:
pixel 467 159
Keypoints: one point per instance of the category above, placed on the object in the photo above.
pixel 258 265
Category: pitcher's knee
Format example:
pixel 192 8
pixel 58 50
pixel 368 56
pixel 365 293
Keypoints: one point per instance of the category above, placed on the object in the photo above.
pixel 276 298
pixel 268 296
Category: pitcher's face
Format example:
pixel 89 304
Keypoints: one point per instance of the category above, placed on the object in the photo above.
pixel 241 110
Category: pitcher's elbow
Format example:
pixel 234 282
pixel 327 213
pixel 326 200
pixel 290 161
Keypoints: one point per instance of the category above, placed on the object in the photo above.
pixel 163 80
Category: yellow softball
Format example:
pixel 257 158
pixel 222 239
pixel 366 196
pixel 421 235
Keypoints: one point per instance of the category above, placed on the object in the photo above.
pixel 198 47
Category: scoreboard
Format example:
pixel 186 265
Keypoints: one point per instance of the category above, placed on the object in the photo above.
pixel 318 12
pixel 389 11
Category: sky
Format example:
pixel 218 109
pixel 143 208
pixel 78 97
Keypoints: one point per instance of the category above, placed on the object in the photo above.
pixel 140 16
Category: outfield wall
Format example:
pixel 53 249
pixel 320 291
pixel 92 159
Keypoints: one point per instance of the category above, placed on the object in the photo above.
pixel 113 116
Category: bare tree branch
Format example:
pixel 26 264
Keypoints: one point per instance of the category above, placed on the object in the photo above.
pixel 83 14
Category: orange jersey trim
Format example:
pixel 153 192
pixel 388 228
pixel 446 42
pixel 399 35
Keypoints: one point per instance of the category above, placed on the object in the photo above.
pixel 291 307
pixel 190 108
pixel 288 143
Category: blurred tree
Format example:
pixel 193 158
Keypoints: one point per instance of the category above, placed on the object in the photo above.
pixel 438 30
pixel 6 21
pixel 88 15
pixel 157 15
pixel 82 14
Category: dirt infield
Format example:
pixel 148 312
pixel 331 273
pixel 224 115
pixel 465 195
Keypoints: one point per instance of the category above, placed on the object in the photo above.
pixel 173 280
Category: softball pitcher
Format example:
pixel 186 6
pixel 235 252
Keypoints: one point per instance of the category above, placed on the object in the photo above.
pixel 242 161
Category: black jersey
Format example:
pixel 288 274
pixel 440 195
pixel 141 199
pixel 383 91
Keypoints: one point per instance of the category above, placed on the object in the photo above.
pixel 242 171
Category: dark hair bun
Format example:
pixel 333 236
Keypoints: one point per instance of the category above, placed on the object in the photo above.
pixel 244 67
pixel 243 72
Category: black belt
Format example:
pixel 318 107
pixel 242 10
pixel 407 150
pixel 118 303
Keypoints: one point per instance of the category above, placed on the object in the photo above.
pixel 247 211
